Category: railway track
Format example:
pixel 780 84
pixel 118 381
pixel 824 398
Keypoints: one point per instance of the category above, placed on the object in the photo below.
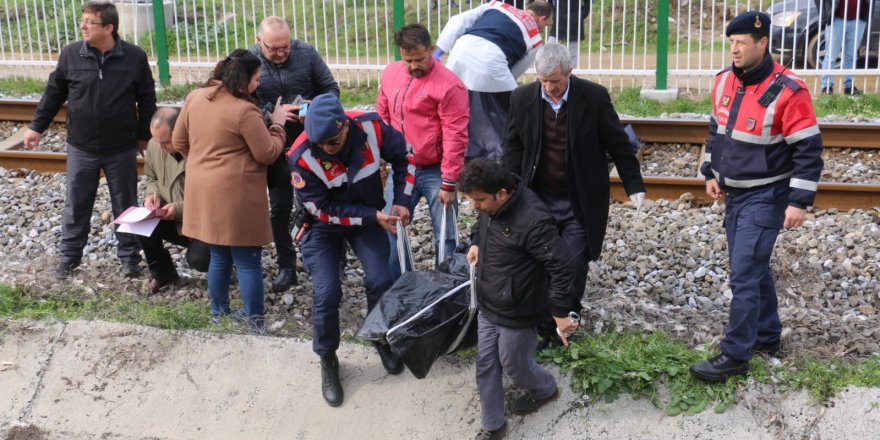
pixel 649 130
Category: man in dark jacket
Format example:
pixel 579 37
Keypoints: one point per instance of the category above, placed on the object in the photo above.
pixel 560 133
pixel 291 69
pixel 764 154
pixel 524 272
pixel 111 98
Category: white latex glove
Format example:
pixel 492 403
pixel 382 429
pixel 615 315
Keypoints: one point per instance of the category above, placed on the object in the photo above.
pixel 637 199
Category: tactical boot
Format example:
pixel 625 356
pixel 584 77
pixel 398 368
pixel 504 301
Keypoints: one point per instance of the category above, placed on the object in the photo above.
pixel 719 368
pixel 331 387
pixel 391 362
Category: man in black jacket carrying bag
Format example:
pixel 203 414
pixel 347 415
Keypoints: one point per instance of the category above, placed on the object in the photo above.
pixel 524 273
pixel 111 98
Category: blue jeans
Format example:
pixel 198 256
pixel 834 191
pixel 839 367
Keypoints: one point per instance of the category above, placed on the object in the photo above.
pixel 247 260
pixel 752 222
pixel 846 35
pixel 427 185
pixel 322 250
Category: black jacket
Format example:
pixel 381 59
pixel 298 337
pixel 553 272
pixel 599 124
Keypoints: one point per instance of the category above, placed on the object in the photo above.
pixel 519 249
pixel 303 73
pixel 594 133
pixel 109 102
pixel 568 20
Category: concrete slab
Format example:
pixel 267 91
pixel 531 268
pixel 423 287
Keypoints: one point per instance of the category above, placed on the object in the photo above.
pixel 25 349
pixel 667 95
pixel 115 381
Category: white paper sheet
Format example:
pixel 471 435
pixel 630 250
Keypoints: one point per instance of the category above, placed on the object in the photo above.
pixel 144 227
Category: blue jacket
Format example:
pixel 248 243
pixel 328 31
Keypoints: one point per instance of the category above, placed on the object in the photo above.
pixel 763 130
pixel 345 189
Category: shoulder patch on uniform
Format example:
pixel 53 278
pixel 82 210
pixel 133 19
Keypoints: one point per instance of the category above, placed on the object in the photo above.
pixel 297 181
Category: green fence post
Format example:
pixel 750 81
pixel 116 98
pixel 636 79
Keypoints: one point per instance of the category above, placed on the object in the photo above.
pixel 662 43
pixel 161 42
pixel 399 22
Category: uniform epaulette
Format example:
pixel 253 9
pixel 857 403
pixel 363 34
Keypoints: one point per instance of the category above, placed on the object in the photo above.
pixel 789 82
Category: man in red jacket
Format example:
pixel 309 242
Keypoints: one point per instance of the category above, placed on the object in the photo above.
pixel 425 101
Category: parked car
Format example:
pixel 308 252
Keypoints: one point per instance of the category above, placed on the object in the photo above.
pixel 797 33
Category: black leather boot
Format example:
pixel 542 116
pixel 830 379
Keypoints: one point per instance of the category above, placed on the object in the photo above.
pixel 331 387
pixel 391 362
pixel 719 368
pixel 286 278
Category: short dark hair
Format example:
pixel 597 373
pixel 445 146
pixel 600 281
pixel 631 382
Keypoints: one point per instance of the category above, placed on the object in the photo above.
pixel 106 11
pixel 166 116
pixel 234 72
pixel 412 36
pixel 486 175
pixel 540 8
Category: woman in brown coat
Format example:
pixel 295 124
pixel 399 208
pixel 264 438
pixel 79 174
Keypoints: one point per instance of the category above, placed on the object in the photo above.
pixel 221 132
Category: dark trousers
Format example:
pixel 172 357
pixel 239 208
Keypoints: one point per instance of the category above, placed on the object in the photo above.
pixel 280 210
pixel 198 254
pixel 503 349
pixel 752 221
pixel 83 173
pixel 322 250
pixel 575 239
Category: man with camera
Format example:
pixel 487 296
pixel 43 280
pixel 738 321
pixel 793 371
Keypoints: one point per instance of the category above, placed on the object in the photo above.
pixel 295 71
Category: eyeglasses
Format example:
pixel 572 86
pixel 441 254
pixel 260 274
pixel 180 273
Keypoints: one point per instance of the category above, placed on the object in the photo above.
pixel 89 22
pixel 278 50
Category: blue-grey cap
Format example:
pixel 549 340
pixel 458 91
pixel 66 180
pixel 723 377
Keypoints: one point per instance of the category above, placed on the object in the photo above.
pixel 325 118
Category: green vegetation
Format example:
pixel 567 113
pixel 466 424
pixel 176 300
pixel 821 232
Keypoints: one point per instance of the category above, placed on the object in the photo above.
pixel 610 364
pixel 865 105
pixel 24 303
pixel 627 101
pixel 19 86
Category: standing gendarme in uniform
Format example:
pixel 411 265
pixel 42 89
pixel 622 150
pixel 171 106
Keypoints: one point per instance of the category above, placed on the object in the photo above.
pixel 764 152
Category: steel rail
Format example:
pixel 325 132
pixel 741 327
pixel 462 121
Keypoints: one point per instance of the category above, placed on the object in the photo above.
pixel 659 130
pixel 842 196
pixel 42 161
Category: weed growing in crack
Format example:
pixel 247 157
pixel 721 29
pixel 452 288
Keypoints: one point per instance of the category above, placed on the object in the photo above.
pixel 653 366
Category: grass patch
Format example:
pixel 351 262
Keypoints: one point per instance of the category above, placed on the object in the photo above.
pixel 360 95
pixel 22 86
pixel 22 303
pixel 611 364
pixel 628 102
pixel 175 92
